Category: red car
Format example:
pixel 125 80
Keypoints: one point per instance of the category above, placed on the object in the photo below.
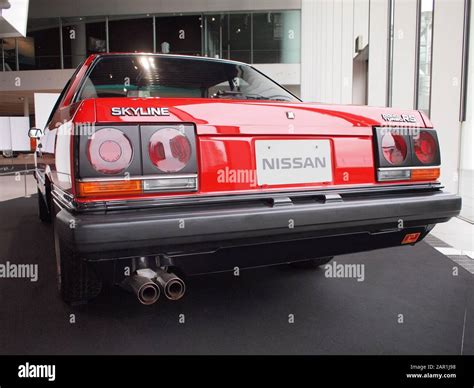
pixel 157 167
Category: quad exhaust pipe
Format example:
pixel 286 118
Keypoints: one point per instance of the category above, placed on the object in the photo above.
pixel 148 288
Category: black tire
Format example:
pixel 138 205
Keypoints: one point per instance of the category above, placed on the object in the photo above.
pixel 9 154
pixel 44 212
pixel 312 263
pixel 77 281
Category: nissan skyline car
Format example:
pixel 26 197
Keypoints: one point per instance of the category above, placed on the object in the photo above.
pixel 157 167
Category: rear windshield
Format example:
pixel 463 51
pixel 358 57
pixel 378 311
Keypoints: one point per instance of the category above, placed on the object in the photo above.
pixel 159 76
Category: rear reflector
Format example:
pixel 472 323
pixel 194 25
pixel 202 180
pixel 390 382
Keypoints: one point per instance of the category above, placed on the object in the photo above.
pixel 411 238
pixel 85 189
pixel 425 174
pixel 414 174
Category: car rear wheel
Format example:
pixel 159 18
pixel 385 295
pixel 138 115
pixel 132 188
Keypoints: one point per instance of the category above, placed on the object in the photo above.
pixel 43 208
pixel 9 154
pixel 77 281
pixel 312 263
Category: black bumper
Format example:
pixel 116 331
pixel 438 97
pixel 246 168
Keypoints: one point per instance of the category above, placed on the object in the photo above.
pixel 307 227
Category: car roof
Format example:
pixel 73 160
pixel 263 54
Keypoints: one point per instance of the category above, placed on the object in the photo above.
pixel 191 57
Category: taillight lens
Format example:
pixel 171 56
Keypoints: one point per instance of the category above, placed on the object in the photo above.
pixel 109 151
pixel 394 148
pixel 425 148
pixel 169 150
pixel 94 188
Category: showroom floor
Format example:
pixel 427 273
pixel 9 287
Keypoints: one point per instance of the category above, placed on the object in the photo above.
pixel 413 300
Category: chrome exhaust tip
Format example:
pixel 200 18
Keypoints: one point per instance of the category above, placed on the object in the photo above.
pixel 173 287
pixel 146 291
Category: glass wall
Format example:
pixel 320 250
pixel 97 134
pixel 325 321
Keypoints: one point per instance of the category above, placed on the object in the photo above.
pixel 26 53
pixel 270 37
pixel 215 33
pixel 276 37
pixel 425 39
pixel 179 35
pixel 9 54
pixel 82 37
pixel 239 37
pixel 131 35
pixel 253 37
pixel 46 40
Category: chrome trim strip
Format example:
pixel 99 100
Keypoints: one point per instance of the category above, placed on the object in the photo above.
pixel 174 200
pixel 407 168
pixel 39 177
pixel 62 198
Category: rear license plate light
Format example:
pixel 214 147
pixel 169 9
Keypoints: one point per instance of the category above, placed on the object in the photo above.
pixel 170 183
pixel 393 175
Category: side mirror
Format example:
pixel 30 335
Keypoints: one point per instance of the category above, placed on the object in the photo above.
pixel 35 133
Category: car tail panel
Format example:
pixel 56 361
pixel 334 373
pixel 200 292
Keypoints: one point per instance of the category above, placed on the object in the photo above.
pixel 205 147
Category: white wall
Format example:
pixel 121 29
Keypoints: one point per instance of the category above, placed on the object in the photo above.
pixel 337 53
pixel 466 175
pixel 14 134
pixel 446 85
pixel 467 160
pixel 310 53
pixel 347 50
pixel 5 134
pixel 37 80
pixel 13 20
pixel 361 21
pixel 44 104
pixel 378 52
pixel 404 54
pixel 327 50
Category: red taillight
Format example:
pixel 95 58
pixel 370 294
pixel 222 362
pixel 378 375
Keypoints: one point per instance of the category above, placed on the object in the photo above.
pixel 109 151
pixel 425 148
pixel 169 150
pixel 394 148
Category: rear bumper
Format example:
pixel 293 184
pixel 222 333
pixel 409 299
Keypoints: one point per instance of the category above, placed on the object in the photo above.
pixel 178 232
